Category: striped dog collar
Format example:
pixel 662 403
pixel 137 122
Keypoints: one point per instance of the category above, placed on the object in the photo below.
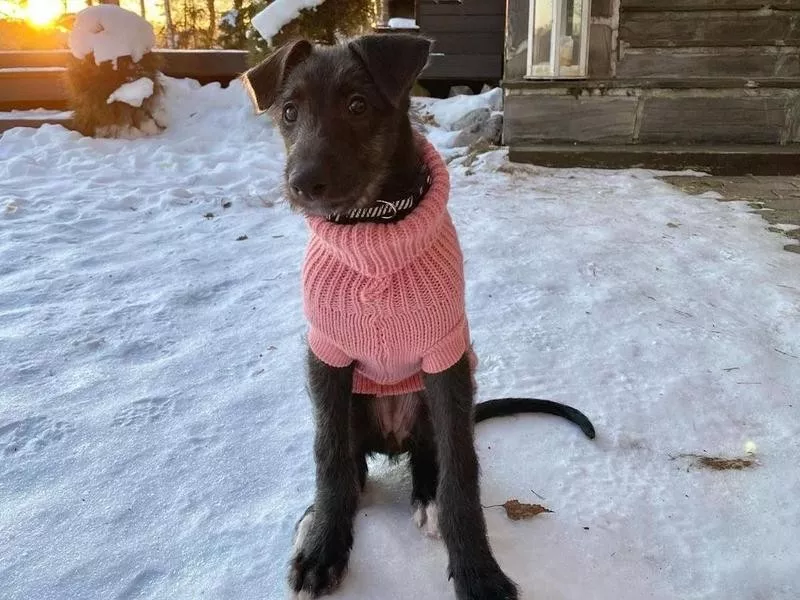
pixel 384 211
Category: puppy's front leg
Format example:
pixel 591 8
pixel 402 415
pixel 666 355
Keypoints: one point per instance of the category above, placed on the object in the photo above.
pixel 322 551
pixel 473 569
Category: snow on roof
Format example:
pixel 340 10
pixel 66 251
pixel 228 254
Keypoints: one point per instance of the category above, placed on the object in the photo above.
pixel 109 32
pixel 279 14
pixel 401 23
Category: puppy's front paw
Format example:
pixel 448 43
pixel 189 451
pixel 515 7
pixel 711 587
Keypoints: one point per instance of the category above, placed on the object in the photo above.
pixel 490 584
pixel 319 560
pixel 313 573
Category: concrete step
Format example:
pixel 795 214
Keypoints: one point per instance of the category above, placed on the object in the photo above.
pixel 752 159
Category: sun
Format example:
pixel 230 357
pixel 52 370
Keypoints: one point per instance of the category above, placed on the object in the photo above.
pixel 41 13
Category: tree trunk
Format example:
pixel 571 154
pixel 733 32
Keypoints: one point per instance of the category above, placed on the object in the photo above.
pixel 212 22
pixel 142 10
pixel 384 16
pixel 169 25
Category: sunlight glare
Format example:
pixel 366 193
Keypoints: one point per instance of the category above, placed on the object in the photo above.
pixel 42 13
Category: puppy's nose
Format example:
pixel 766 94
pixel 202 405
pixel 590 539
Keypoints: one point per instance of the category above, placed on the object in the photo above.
pixel 308 182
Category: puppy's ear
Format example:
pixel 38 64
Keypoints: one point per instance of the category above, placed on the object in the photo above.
pixel 265 79
pixel 393 60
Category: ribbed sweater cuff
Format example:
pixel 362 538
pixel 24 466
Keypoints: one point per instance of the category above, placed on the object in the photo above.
pixel 326 350
pixel 448 351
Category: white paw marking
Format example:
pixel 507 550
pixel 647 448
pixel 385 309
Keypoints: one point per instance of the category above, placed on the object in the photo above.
pixel 303 528
pixel 420 516
pixel 431 528
pixel 301 531
pixel 426 517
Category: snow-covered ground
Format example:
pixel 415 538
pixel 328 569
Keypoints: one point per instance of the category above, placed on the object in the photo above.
pixel 155 435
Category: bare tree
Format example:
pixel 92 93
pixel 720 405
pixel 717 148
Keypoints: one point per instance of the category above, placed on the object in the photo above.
pixel 383 17
pixel 212 22
pixel 170 26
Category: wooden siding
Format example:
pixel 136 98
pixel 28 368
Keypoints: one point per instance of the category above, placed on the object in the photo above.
pixel 479 66
pixel 750 62
pixel 629 115
pixel 709 38
pixel 533 119
pixel 479 43
pixel 727 120
pixel 703 74
pixel 602 8
pixel 704 5
pixel 601 41
pixel 468 38
pixel 461 8
pixel 733 28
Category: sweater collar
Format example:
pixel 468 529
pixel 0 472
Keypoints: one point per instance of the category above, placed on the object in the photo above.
pixel 376 249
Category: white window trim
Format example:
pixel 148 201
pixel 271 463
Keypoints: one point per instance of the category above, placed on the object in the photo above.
pixel 554 40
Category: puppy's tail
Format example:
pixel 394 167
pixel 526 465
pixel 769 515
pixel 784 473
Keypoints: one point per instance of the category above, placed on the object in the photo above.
pixel 503 407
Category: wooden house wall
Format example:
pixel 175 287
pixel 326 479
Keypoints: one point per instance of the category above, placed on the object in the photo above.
pixel 468 38
pixel 708 72
pixel 754 39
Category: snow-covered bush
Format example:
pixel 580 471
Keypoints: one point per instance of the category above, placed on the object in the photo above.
pixel 112 74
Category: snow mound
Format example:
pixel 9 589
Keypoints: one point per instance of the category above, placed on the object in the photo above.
pixel 278 14
pixel 461 111
pixel 110 32
pixel 463 120
pixel 133 93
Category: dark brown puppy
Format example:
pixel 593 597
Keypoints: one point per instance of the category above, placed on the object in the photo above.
pixel 343 114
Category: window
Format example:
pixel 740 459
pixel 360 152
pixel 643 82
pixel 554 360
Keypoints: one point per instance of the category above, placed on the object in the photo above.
pixel 562 54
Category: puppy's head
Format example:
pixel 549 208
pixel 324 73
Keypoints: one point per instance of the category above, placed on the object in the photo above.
pixel 341 110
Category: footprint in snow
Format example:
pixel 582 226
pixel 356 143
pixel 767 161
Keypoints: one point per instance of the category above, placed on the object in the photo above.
pixel 144 411
pixel 141 584
pixel 32 434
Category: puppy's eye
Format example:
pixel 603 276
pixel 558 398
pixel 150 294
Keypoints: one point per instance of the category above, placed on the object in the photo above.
pixel 289 113
pixel 357 105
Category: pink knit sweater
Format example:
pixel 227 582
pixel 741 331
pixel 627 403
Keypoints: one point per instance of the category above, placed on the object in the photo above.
pixel 389 296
